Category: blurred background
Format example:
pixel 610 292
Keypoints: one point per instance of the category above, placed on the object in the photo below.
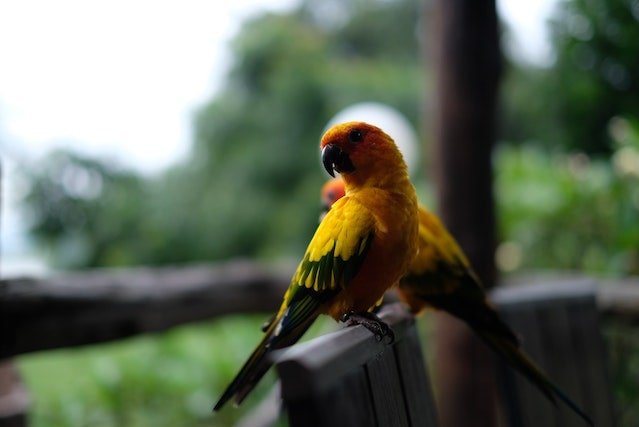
pixel 152 134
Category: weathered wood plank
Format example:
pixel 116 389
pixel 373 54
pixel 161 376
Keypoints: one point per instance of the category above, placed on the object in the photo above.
pixel 357 390
pixel 412 372
pixel 348 378
pixel 596 368
pixel 543 292
pixel 558 323
pixel 525 405
pixel 344 404
pixel 316 365
pixel 386 389
pixel 560 362
pixel 615 298
pixel 619 300
pixel 103 305
pixel 320 378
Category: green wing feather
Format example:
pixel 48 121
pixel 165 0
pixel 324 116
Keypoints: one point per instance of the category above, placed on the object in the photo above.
pixel 334 255
pixel 332 259
pixel 442 277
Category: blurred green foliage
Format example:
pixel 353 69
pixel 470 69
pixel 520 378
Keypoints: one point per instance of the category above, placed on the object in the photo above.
pixel 622 343
pixel 570 210
pixel 167 380
pixel 593 78
pixel 250 187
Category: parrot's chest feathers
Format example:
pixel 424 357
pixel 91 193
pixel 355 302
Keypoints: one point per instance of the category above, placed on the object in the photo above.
pixel 396 219
pixel 394 245
pixel 392 209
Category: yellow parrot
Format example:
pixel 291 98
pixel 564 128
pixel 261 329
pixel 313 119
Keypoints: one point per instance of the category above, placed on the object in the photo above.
pixel 441 277
pixel 360 249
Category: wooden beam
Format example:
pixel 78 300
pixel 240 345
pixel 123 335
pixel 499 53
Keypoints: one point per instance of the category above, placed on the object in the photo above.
pixel 468 68
pixel 467 62
pixel 617 299
pixel 103 305
pixel 620 300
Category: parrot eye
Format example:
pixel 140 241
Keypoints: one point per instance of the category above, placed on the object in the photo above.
pixel 355 136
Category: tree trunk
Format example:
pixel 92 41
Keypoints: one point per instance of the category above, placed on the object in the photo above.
pixel 467 64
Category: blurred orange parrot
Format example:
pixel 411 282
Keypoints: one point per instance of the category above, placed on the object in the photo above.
pixel 442 278
pixel 360 249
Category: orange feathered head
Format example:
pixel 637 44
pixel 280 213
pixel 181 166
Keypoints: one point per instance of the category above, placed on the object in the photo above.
pixel 359 151
pixel 332 191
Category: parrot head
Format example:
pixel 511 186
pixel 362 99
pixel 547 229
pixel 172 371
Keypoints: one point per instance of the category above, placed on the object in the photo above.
pixel 359 151
pixel 332 191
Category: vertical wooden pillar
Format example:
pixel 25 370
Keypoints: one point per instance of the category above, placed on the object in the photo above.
pixel 467 61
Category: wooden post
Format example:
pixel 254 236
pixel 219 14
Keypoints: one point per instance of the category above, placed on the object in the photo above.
pixel 14 399
pixel 101 305
pixel 467 63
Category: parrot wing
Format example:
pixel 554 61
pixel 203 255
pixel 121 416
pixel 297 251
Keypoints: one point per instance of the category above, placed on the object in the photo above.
pixel 333 257
pixel 442 277
pixel 337 249
pixel 439 254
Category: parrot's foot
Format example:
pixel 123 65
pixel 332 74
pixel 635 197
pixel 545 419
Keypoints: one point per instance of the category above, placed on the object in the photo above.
pixel 371 322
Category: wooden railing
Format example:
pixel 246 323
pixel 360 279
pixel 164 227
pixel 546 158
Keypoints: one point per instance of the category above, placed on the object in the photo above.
pixel 91 307
pixel 74 309
pixel 83 308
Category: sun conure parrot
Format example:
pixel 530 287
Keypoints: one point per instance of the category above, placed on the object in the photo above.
pixel 360 249
pixel 441 277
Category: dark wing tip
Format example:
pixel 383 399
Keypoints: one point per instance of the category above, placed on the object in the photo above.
pixel 228 394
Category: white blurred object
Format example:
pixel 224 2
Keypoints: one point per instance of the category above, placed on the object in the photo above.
pixel 388 119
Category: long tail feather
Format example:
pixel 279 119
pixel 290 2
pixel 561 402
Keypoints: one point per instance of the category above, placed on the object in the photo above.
pixel 259 362
pixel 250 373
pixel 522 363
pixel 472 307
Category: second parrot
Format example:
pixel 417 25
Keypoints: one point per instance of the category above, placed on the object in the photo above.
pixel 442 278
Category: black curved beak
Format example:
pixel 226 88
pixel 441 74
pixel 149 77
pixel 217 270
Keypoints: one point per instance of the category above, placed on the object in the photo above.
pixel 336 160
